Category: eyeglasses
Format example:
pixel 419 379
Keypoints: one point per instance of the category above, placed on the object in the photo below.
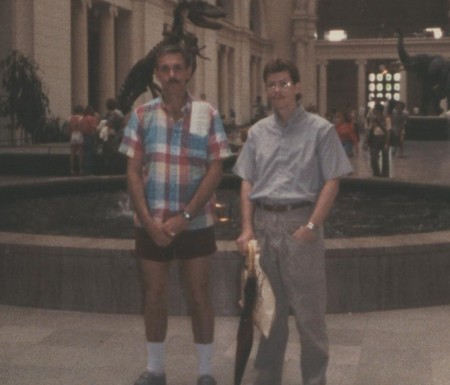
pixel 166 68
pixel 281 85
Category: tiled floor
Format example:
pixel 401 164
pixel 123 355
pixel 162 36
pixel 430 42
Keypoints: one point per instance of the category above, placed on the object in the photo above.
pixel 402 347
pixel 44 347
pixel 423 162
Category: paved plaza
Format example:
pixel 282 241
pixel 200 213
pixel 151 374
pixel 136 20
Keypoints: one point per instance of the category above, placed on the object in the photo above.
pixel 398 347
pixel 423 162
pixel 45 347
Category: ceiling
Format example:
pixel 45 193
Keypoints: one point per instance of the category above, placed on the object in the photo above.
pixel 381 18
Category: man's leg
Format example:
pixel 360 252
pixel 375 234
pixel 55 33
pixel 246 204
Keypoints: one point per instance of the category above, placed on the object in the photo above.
pixel 402 142
pixel 304 277
pixel 375 160
pixel 385 162
pixel 195 273
pixel 269 359
pixel 72 159
pixel 155 277
pixel 310 319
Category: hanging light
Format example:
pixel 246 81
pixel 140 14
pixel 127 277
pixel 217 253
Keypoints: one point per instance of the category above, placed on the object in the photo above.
pixel 435 32
pixel 335 35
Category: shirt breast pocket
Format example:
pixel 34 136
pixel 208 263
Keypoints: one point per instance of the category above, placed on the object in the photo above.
pixel 198 146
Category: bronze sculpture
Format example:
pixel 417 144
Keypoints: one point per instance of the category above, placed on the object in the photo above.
pixel 433 71
pixel 140 77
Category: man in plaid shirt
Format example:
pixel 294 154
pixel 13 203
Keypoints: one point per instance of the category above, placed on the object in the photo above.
pixel 175 147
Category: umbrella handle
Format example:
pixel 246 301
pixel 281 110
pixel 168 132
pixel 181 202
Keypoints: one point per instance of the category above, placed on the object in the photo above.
pixel 250 262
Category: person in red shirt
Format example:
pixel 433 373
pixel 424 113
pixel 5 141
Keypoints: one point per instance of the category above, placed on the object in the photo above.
pixel 76 139
pixel 346 132
pixel 88 124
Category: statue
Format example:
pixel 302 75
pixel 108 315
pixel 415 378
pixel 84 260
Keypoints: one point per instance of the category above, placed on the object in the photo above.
pixel 433 71
pixel 140 77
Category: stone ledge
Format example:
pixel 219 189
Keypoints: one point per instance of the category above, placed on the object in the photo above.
pixel 438 238
pixel 101 275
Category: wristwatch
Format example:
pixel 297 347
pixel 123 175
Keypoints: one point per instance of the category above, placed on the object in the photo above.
pixel 186 215
pixel 311 226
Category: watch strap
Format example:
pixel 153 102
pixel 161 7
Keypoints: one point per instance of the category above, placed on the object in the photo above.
pixel 186 215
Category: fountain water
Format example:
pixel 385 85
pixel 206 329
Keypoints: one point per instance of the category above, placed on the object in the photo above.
pixel 98 272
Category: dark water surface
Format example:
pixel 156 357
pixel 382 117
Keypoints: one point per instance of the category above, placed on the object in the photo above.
pixel 107 214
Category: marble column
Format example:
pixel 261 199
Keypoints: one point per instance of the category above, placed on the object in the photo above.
pixel 310 75
pixel 311 90
pixel 253 81
pixel 362 83
pixel 260 87
pixel 304 21
pixel 107 60
pixel 300 38
pixel 124 50
pixel 323 88
pixel 300 54
pixel 259 75
pixel 79 62
pixel 231 80
pixel 223 80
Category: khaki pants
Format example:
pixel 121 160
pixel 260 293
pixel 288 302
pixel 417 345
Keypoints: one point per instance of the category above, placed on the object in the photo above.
pixel 296 271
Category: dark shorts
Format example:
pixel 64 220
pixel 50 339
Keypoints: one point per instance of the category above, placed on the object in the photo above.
pixel 186 245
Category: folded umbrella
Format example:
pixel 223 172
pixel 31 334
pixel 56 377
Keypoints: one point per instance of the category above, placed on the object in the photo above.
pixel 245 330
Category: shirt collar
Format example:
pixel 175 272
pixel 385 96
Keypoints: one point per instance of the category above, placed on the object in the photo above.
pixel 187 105
pixel 297 115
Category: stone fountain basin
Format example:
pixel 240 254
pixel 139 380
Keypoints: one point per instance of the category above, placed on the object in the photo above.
pixel 100 274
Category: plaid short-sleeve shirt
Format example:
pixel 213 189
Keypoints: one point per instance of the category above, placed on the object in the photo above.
pixel 175 154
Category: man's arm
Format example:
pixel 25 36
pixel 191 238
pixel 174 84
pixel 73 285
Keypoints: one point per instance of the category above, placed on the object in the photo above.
pixel 323 206
pixel 205 190
pixel 137 195
pixel 247 233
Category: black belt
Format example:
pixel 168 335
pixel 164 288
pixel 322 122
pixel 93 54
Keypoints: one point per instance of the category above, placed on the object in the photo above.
pixel 281 208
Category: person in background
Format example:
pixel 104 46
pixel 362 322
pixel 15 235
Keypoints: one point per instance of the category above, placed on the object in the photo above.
pixel 399 118
pixel 114 124
pixel 89 123
pixel 290 167
pixel 377 141
pixel 175 146
pixel 346 132
pixel 76 140
pixel 260 109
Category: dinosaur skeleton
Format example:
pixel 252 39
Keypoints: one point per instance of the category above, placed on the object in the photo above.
pixel 140 77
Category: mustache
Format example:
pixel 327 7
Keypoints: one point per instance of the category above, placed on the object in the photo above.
pixel 174 81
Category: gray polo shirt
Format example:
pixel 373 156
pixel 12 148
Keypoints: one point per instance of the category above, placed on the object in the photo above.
pixel 291 164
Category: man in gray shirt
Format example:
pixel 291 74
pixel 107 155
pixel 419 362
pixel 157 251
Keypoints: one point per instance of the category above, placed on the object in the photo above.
pixel 290 167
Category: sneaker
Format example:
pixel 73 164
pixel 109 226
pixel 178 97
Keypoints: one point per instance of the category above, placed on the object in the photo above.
pixel 206 380
pixel 148 378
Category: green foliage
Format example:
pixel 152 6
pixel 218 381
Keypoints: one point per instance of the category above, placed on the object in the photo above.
pixel 25 102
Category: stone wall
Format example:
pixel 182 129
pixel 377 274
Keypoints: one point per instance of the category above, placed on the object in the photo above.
pixel 100 275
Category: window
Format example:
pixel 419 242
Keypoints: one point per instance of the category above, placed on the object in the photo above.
pixel 383 86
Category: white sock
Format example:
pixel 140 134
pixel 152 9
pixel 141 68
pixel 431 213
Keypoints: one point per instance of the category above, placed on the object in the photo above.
pixel 156 357
pixel 205 357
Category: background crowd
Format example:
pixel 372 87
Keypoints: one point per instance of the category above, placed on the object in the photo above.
pixel 92 135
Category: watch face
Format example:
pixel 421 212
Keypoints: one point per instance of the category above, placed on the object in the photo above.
pixel 311 226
